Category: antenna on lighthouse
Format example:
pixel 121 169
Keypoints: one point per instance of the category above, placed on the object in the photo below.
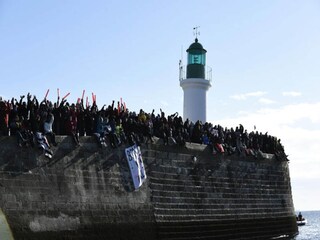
pixel 196 31
pixel 181 65
pixel 181 53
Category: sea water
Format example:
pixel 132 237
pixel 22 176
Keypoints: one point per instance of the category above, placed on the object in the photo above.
pixel 310 231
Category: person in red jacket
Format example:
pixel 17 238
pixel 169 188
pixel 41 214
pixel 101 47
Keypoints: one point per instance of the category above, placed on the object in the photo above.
pixel 71 124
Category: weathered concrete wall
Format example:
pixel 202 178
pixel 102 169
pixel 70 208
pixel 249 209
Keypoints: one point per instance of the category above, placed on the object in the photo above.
pixel 86 193
pixel 219 197
pixel 81 193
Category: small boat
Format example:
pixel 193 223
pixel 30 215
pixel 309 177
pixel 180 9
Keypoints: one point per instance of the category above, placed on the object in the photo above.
pixel 302 222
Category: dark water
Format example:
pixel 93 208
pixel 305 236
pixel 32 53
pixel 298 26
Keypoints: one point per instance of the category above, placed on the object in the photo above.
pixel 310 231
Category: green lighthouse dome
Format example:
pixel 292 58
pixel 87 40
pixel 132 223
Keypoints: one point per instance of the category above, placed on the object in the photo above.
pixel 196 46
pixel 196 60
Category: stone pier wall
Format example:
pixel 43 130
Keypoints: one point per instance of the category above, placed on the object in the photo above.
pixel 86 193
pixel 220 197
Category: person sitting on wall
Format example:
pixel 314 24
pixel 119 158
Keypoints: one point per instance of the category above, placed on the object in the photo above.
pixel 130 128
pixel 113 139
pixel 25 135
pixel 15 125
pixel 147 127
pixel 43 144
pixel 102 129
pixel 196 136
pixel 180 138
pixel 47 127
pixel 121 137
pixel 71 123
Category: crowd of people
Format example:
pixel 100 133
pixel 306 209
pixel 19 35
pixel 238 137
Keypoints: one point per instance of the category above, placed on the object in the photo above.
pixel 37 123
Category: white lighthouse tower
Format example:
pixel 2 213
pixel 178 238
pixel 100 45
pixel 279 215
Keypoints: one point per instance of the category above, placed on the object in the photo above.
pixel 195 83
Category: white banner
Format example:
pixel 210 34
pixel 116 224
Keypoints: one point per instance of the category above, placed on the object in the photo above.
pixel 136 166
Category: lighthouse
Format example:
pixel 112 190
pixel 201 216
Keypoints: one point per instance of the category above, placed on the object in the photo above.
pixel 195 83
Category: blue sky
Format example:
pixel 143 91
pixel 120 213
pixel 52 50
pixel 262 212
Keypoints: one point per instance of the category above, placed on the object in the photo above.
pixel 264 56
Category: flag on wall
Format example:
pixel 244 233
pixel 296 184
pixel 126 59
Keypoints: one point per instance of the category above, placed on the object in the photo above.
pixel 136 165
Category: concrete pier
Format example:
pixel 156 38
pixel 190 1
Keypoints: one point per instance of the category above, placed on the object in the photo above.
pixel 86 193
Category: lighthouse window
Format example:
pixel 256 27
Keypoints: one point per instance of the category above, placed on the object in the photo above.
pixel 196 59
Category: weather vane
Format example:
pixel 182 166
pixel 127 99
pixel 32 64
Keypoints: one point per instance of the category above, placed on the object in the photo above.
pixel 196 32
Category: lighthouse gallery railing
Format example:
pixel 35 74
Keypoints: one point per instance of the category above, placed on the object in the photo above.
pixel 183 73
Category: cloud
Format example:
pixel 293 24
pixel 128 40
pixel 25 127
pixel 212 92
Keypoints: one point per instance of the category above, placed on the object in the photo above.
pixel 266 101
pixel 289 115
pixel 244 96
pixel 291 94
